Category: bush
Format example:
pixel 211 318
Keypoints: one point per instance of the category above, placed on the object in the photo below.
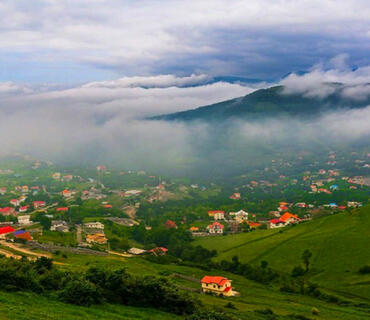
pixel 364 270
pixel 297 271
pixel 81 292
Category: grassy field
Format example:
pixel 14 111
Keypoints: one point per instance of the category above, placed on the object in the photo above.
pixel 338 246
pixel 338 243
pixel 254 296
pixel 26 306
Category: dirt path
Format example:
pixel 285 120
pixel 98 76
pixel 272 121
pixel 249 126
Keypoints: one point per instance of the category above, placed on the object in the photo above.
pixel 24 250
pixel 79 234
pixel 9 254
pixel 126 255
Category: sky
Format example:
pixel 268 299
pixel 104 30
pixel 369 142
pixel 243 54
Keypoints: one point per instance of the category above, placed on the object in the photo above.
pixel 79 78
pixel 68 42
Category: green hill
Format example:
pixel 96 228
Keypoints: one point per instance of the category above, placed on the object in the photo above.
pixel 268 102
pixel 338 243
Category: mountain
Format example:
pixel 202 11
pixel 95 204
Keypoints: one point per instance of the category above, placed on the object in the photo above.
pixel 272 101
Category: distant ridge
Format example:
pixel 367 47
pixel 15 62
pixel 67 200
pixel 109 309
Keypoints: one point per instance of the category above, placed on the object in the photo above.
pixel 269 102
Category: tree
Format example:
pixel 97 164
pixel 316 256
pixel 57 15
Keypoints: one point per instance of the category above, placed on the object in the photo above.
pixel 306 256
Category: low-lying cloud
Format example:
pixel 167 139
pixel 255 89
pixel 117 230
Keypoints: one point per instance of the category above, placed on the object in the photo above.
pixel 103 122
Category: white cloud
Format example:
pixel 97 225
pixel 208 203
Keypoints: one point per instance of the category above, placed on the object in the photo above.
pixel 320 81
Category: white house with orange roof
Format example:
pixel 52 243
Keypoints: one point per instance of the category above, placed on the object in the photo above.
pixel 217 285
pixel 216 228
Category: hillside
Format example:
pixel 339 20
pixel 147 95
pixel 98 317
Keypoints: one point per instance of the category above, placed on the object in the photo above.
pixel 268 102
pixel 336 241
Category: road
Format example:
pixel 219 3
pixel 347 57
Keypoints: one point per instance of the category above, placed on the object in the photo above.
pixel 24 250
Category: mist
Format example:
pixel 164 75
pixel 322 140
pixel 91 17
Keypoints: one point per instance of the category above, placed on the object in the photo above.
pixel 104 122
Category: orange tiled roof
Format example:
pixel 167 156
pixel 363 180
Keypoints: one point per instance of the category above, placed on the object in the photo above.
pixel 217 280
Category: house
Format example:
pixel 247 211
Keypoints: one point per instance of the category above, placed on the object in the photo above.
pixel 334 187
pixel 67 178
pixel 22 234
pixel 108 206
pixel 39 204
pixel 217 285
pixel 94 225
pixel 14 202
pixel 25 189
pixel 7 211
pixel 59 225
pixel 101 168
pixel 159 251
pixel 136 251
pixel 130 193
pixel 170 224
pixel 276 223
pixel 301 205
pixel 66 193
pixel 62 209
pixel 96 238
pixel 216 228
pixel 235 196
pixel 240 215
pixel 217 214
pixel 56 175
pixel 24 219
pixel 288 218
pixel 193 229
pixel 254 224
pixel 5 230
pixel 23 209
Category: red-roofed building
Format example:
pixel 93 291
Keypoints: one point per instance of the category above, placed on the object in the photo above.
pixel 289 218
pixel 159 251
pixel 216 213
pixel 15 202
pixel 216 228
pixel 7 211
pixel 170 224
pixel 217 285
pixel 62 209
pixel 25 236
pixel 108 206
pixel 5 230
pixel 276 223
pixel 23 209
pixel 235 196
pixel 39 204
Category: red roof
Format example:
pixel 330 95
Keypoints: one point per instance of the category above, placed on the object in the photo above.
pixel 212 212
pixel 286 216
pixel 62 209
pixel 217 280
pixel 163 249
pixel 275 221
pixel 284 208
pixel 6 209
pixel 24 235
pixel 170 224
pixel 216 224
pixel 108 206
pixel 39 202
pixel 24 208
pixel 7 229
pixel 227 289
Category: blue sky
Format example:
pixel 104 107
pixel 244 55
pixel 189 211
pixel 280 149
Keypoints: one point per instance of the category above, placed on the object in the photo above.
pixel 71 42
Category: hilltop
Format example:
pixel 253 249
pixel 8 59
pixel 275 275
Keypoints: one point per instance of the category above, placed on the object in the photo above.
pixel 273 101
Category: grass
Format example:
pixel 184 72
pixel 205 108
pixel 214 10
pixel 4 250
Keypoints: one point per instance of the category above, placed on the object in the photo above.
pixel 338 243
pixel 63 238
pixel 27 306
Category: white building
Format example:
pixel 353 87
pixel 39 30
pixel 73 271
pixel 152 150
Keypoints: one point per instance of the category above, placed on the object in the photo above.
pixel 94 225
pixel 24 219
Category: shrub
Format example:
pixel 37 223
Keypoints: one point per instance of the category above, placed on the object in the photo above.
pixel 81 292
pixel 364 269
pixel 298 271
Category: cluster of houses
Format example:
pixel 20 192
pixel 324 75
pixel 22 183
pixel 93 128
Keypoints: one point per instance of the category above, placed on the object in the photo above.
pixel 9 233
pixel 95 233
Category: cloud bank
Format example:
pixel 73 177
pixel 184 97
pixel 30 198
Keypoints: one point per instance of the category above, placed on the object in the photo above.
pixel 102 122
pixel 73 41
